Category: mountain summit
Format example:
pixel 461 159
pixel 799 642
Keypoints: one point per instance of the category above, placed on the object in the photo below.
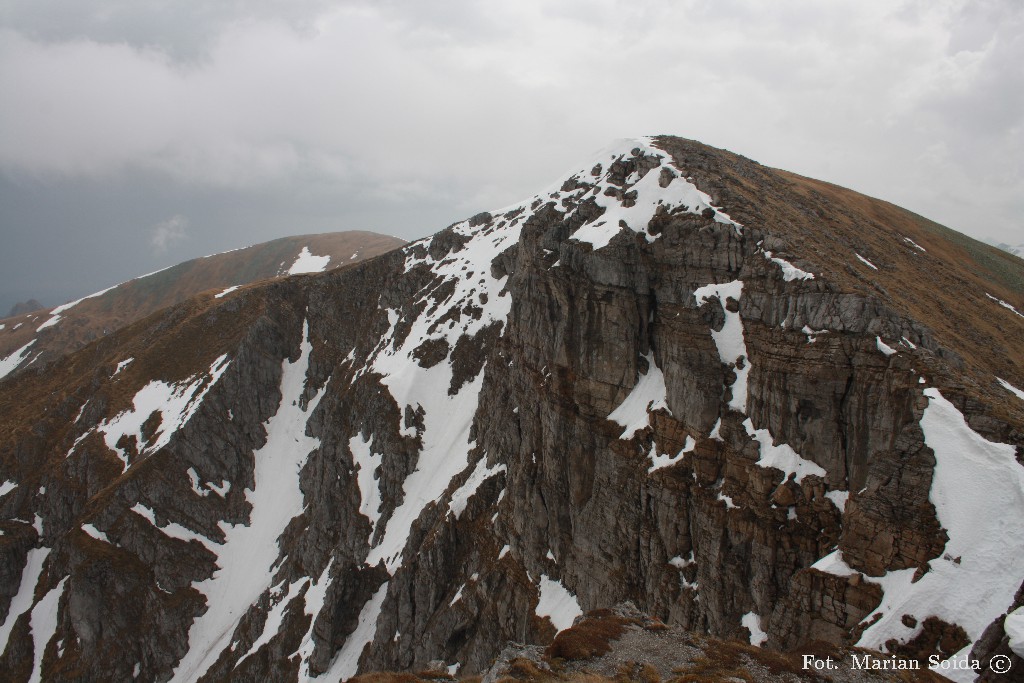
pixel 755 405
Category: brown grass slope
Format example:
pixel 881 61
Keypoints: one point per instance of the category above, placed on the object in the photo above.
pixel 136 299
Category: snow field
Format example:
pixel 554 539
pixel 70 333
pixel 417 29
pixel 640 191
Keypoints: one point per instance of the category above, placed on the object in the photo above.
pixel 246 558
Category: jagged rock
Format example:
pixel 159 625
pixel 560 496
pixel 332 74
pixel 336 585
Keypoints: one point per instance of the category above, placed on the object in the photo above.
pixel 511 652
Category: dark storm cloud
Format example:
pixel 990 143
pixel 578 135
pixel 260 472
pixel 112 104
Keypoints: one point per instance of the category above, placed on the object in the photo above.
pixel 402 116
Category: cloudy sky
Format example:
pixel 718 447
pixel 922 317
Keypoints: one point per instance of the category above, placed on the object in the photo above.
pixel 138 133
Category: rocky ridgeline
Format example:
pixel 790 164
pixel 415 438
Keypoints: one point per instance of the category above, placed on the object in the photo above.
pixel 615 391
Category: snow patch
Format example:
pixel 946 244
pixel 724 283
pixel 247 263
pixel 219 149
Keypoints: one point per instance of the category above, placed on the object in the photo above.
pixel 781 457
pixel 445 453
pixel 193 478
pixel 660 461
pixel 1014 627
pixel 812 335
pixel 978 494
pixel 316 596
pixel 647 395
pixel 8 364
pixel 367 464
pixel 307 262
pixel 221 490
pixel 22 600
pixel 43 623
pixel 752 622
pixel 204 489
pixel 649 197
pixel 789 271
pixel 1012 389
pixel 865 261
pixel 481 473
pixel 6 488
pixel 732 349
pixel 121 366
pixel 729 505
pixel 557 604
pixel 225 293
pixel 173 529
pixel 998 301
pixel 55 313
pixel 272 624
pixel 914 244
pixel 679 563
pixel 346 664
pixel 838 498
pixel 834 564
pixel 95 533
pixel 883 347
pixel 176 403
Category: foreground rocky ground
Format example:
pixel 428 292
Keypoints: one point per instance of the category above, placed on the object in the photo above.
pixel 624 646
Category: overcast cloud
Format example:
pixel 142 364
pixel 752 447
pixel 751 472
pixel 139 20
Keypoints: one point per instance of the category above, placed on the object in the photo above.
pixel 125 125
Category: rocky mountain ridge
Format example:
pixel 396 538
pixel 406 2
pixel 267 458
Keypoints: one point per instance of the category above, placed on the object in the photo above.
pixel 751 403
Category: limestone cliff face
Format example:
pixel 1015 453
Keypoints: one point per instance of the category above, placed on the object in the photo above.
pixel 732 396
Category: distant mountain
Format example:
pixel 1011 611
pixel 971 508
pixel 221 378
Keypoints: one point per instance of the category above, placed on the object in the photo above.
pixel 23 307
pixel 36 337
pixel 1015 249
pixel 757 406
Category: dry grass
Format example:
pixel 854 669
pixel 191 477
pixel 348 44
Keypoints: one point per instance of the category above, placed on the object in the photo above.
pixel 637 672
pixel 386 677
pixel 590 638
pixel 521 669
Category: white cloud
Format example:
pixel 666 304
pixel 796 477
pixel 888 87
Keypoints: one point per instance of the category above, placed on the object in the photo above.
pixel 166 234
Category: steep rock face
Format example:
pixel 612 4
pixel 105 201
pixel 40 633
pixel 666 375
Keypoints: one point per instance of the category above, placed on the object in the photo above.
pixel 668 379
